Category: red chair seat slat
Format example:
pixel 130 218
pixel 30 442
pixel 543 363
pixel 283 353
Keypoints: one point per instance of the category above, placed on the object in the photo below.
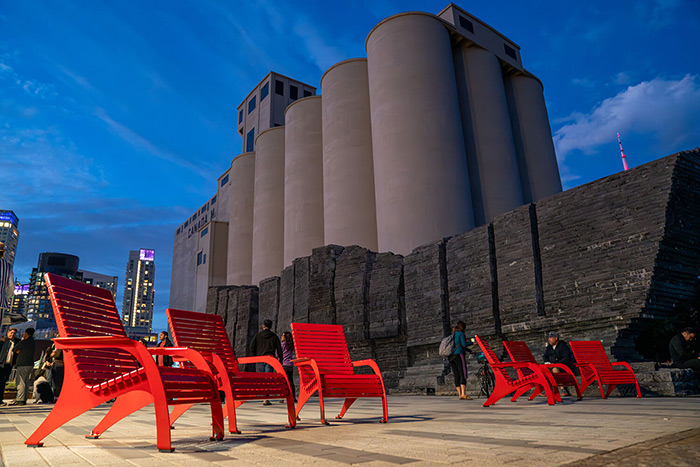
pixel 95 374
pixel 505 384
pixel 325 344
pixel 207 333
pixel 520 352
pixel 595 366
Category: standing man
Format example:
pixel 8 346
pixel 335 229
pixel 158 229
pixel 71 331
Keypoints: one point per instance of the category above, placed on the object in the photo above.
pixel 266 342
pixel 25 365
pixel 682 352
pixel 7 358
pixel 558 351
pixel 164 360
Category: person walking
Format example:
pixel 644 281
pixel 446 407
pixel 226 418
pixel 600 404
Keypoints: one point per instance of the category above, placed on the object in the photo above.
pixel 25 365
pixel 458 360
pixel 164 360
pixel 287 357
pixel 266 343
pixel 7 358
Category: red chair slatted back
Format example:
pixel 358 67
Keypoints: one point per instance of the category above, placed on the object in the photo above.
pixel 519 351
pixel 82 310
pixel 326 344
pixel 591 352
pixel 203 332
pixel 491 357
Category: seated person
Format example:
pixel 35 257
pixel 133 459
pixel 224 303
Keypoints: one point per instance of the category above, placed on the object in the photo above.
pixel 558 351
pixel 682 352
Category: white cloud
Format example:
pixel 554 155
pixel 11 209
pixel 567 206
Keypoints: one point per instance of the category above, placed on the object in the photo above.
pixel 666 110
pixel 32 87
pixel 139 142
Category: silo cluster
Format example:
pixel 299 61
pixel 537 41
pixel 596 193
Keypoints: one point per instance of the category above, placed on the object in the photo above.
pixel 434 133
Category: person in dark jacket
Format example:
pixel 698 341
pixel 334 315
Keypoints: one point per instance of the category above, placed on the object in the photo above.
pixel 7 358
pixel 164 360
pixel 458 362
pixel 558 351
pixel 682 352
pixel 25 365
pixel 264 343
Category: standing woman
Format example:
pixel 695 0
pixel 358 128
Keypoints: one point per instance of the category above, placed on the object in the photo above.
pixel 287 357
pixel 458 360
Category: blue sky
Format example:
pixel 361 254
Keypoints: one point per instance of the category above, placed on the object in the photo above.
pixel 117 117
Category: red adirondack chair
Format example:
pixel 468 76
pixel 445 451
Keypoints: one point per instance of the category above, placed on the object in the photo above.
pixel 596 367
pixel 206 333
pixel 505 385
pixel 102 363
pixel 325 366
pixel 520 352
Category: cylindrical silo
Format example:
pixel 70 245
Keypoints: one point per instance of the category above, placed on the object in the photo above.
pixel 488 135
pixel 420 171
pixel 240 223
pixel 303 179
pixel 348 173
pixel 268 211
pixel 539 172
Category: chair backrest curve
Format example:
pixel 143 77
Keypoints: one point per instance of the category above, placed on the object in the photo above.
pixel 82 310
pixel 203 332
pixel 326 344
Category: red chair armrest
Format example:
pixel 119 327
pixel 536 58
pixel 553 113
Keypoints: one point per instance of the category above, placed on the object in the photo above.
pixel 137 349
pixel 516 365
pixel 587 366
pixel 625 364
pixel 370 363
pixel 184 354
pixel 557 365
pixel 272 361
pixel 78 343
pixel 309 362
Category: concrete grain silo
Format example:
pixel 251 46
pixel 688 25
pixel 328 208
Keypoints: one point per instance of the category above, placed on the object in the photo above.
pixel 303 179
pixel 348 172
pixel 240 232
pixel 539 172
pixel 268 212
pixel 420 171
pixel 487 132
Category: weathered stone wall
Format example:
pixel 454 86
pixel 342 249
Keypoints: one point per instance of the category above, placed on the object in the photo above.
pixel 600 261
pixel 238 306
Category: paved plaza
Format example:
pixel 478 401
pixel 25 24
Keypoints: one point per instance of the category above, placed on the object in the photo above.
pixel 422 430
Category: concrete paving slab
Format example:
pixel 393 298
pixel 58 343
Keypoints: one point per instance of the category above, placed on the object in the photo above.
pixel 422 430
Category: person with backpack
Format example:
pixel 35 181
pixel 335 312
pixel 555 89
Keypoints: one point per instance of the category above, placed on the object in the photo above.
pixel 457 358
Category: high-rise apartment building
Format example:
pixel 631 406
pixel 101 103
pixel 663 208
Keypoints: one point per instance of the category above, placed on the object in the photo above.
pixel 19 299
pixel 102 281
pixel 38 304
pixel 9 234
pixel 137 308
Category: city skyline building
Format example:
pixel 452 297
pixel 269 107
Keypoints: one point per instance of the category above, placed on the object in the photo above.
pixel 139 294
pixel 102 281
pixel 9 234
pixel 38 304
pixel 19 299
